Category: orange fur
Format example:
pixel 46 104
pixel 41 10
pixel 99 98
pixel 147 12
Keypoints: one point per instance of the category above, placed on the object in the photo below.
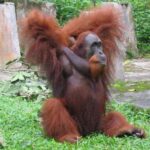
pixel 106 22
pixel 96 18
pixel 114 124
pixel 95 67
pixel 79 106
pixel 57 122
pixel 43 37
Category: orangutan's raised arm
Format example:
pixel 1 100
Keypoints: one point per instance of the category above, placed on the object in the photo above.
pixel 79 63
pixel 67 66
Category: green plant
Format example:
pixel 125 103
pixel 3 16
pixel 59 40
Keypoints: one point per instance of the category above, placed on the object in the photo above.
pixel 142 23
pixel 21 129
pixel 130 54
pixel 67 9
pixel 27 85
pixel 122 86
pixel 141 14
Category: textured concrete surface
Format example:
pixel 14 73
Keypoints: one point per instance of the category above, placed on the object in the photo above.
pixel 140 99
pixel 136 71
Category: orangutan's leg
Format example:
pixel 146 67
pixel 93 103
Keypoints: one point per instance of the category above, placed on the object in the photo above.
pixel 115 124
pixel 57 122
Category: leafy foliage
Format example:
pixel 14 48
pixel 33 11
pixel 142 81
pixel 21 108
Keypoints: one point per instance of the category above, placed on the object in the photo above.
pixel 27 85
pixel 67 9
pixel 142 22
pixel 141 14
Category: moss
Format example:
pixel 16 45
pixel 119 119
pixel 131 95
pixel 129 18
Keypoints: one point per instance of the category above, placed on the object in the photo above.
pixel 121 86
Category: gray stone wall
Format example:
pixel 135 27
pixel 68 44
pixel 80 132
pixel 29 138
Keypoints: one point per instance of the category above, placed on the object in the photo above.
pixel 9 42
pixel 25 7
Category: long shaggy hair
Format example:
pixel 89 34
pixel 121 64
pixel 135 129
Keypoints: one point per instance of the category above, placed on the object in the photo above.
pixel 78 107
pixel 44 38
pixel 106 21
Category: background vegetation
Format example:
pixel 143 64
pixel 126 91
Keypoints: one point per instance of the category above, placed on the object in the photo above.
pixel 67 9
pixel 141 15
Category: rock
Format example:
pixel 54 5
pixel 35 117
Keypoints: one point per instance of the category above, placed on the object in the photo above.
pixel 137 70
pixel 140 99
pixel 26 6
pixel 10 70
pixel 14 66
pixel 130 37
pixel 119 68
pixel 137 76
pixel 5 75
pixel 9 42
